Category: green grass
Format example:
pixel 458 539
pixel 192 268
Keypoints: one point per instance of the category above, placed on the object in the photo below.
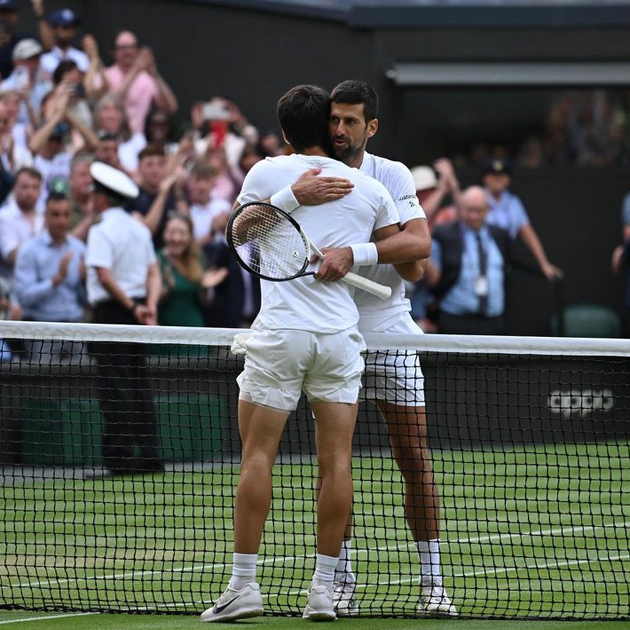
pixel 47 621
pixel 534 532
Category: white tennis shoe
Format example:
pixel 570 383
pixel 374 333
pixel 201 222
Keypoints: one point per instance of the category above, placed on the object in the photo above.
pixel 344 600
pixel 434 602
pixel 235 604
pixel 320 604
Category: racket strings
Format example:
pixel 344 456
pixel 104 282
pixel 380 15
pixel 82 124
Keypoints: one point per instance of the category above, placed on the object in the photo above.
pixel 269 244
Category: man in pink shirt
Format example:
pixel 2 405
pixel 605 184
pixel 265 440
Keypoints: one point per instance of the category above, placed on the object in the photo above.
pixel 134 78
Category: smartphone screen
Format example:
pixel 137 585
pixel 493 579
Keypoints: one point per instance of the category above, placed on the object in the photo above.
pixel 218 128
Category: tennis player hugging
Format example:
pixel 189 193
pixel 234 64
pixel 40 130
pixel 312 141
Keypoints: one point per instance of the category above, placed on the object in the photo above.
pixel 306 338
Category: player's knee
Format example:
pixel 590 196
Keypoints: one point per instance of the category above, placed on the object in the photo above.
pixel 256 465
pixel 412 460
pixel 334 468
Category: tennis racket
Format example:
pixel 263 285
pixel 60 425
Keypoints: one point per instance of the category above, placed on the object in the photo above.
pixel 270 244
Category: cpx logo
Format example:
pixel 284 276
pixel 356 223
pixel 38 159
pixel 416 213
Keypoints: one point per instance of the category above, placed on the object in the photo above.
pixel 580 402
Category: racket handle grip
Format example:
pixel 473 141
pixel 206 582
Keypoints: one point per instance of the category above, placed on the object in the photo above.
pixel 379 290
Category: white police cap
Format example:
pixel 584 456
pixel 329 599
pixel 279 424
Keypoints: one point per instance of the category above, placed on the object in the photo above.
pixel 113 179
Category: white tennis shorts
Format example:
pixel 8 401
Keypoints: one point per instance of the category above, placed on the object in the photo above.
pixel 395 376
pixel 280 364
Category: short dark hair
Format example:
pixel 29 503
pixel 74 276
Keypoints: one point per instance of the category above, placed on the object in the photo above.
pixel 151 150
pixel 354 92
pixel 28 170
pixel 113 198
pixel 55 197
pixel 65 66
pixel 303 113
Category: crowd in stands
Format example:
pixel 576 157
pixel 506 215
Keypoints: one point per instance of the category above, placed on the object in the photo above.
pixel 61 109
pixel 580 128
pixel 464 287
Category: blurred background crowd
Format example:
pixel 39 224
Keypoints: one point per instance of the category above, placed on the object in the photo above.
pixel 67 99
pixel 62 107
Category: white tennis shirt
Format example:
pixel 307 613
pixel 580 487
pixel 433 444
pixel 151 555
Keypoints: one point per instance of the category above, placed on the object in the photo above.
pixel 123 245
pixel 376 314
pixel 306 303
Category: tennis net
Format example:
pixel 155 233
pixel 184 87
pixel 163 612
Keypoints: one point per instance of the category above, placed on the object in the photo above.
pixel 530 447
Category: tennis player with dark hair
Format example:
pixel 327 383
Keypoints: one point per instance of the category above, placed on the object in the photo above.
pixel 396 383
pixel 305 338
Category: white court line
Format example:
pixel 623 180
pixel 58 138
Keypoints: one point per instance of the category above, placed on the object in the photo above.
pixel 272 560
pixel 493 571
pixel 541 532
pixel 565 563
pixel 135 574
pixel 507 535
pixel 2 623
pixel 490 571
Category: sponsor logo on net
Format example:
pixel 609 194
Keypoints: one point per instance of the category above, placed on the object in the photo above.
pixel 580 403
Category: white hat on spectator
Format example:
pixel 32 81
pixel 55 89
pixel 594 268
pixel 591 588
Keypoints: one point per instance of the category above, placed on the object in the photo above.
pixel 27 48
pixel 113 180
pixel 424 177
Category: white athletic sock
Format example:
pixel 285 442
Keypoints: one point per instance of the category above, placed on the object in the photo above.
pixel 243 570
pixel 430 571
pixel 344 565
pixel 324 571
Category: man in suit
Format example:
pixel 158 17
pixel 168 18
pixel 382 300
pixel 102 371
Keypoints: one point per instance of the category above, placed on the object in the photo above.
pixel 467 270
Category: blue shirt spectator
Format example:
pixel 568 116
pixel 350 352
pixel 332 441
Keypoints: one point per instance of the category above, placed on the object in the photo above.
pixel 467 270
pixel 463 298
pixel 49 270
pixel 508 213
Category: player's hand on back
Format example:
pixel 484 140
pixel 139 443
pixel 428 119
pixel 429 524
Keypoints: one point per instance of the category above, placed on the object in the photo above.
pixel 336 264
pixel 311 190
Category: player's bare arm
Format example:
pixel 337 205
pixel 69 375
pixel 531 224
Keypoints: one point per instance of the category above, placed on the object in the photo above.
pixel 312 190
pixel 339 260
pixel 417 233
pixel 406 249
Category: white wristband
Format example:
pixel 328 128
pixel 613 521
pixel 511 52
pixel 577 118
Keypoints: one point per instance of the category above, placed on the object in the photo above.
pixel 364 254
pixel 285 200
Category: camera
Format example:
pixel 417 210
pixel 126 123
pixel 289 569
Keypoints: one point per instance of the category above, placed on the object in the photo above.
pixel 215 111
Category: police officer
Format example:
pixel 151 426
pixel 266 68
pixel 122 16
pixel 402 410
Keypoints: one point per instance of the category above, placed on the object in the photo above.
pixel 123 283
